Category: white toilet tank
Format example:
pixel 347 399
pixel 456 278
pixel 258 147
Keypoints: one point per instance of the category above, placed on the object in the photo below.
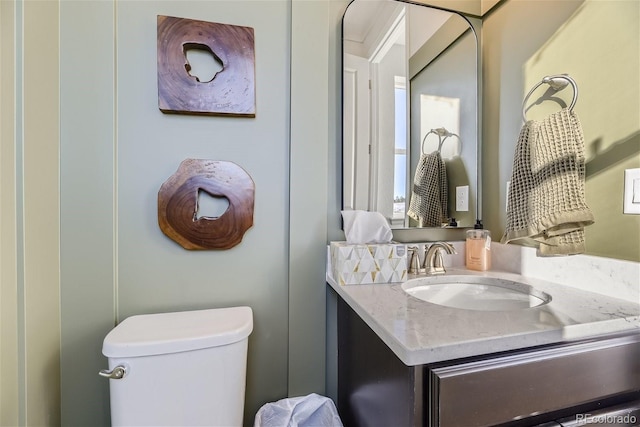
pixel 181 369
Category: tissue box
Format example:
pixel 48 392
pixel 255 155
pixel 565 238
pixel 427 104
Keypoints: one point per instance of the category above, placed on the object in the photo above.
pixel 363 264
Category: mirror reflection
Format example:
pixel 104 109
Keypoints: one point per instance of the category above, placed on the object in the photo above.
pixel 410 116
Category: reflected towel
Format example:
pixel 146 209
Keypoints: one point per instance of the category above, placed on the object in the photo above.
pixel 429 196
pixel 546 198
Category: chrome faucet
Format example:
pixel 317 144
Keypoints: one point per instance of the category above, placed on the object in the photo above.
pixel 433 263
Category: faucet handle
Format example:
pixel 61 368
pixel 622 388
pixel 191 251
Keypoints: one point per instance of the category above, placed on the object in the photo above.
pixel 414 262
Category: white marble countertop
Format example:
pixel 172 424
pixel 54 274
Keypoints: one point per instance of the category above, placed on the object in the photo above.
pixel 420 332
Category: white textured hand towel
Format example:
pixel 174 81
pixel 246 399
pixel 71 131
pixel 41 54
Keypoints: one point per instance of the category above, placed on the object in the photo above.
pixel 429 196
pixel 546 197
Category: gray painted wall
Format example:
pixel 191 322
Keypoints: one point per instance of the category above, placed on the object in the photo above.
pixel 88 269
pixel 117 148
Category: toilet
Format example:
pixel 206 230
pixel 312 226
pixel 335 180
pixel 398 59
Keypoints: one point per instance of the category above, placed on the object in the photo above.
pixel 179 369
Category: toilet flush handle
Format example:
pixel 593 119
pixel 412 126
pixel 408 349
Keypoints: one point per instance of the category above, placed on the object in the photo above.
pixel 116 373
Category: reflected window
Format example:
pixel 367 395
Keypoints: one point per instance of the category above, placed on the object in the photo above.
pixel 400 153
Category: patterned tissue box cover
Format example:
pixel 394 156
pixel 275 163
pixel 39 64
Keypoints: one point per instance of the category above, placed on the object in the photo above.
pixel 365 264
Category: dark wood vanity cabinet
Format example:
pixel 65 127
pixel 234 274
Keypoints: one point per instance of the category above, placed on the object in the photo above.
pixel 550 385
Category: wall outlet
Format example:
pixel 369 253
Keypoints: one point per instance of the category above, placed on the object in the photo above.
pixel 462 198
pixel 631 204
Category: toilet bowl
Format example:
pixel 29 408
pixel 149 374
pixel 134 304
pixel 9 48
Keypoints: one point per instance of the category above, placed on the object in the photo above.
pixel 179 369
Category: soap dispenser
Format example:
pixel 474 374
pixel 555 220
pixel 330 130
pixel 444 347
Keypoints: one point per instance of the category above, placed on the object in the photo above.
pixel 478 248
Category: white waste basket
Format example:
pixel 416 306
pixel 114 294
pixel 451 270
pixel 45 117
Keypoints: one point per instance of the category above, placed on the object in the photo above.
pixel 312 410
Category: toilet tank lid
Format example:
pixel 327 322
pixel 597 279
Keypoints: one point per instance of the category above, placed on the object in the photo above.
pixel 162 333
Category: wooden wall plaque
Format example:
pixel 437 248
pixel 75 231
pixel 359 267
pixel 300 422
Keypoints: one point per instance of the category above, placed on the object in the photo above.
pixel 178 204
pixel 232 90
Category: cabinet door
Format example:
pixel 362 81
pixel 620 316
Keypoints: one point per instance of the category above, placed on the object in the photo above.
pixel 375 389
pixel 525 384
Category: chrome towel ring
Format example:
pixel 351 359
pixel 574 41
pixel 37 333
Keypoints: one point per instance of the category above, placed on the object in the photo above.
pixel 557 82
pixel 441 132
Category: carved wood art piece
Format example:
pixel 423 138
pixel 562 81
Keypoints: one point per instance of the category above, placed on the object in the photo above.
pixel 232 89
pixel 178 204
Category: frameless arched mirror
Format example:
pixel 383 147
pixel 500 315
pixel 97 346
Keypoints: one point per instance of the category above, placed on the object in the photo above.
pixel 410 115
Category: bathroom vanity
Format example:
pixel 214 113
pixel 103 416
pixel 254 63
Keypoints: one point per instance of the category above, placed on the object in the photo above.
pixel 407 362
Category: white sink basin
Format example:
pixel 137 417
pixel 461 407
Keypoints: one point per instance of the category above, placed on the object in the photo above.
pixel 475 292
